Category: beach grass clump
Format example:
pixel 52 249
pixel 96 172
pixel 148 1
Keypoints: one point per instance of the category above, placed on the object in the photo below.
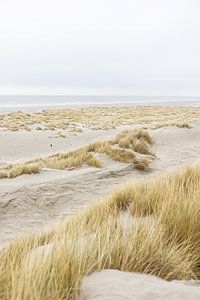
pixel 167 124
pixel 20 169
pixel 15 170
pixel 138 140
pixel 147 227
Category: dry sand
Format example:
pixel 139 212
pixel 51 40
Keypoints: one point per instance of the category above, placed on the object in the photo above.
pixel 117 285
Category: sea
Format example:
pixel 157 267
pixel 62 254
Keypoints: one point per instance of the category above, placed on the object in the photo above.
pixel 37 102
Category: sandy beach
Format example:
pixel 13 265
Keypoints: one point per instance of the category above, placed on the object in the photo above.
pixel 32 203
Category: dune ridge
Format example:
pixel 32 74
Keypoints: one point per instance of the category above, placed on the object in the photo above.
pixel 128 145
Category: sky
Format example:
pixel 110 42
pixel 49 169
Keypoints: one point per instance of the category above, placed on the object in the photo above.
pixel 133 47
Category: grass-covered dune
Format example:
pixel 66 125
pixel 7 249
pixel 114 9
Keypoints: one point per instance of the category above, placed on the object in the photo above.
pixel 131 146
pixel 149 227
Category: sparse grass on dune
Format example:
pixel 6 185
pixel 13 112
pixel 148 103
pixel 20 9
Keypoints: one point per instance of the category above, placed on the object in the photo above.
pixel 166 124
pixel 18 170
pixel 162 237
pixel 71 120
pixel 184 125
pixel 136 151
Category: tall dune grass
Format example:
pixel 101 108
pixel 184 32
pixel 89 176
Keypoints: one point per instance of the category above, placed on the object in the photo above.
pixel 149 227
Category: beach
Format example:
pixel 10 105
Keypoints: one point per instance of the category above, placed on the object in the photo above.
pixel 99 150
pixel 33 203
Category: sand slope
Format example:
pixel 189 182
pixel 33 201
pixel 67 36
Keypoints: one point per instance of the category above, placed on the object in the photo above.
pixel 117 285
pixel 30 202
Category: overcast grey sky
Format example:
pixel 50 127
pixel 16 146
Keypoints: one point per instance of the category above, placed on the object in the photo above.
pixel 136 47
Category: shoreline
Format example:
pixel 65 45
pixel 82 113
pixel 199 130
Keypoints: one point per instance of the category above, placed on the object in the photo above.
pixel 77 104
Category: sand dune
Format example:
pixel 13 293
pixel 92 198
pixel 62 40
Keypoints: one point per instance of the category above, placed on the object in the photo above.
pixel 30 202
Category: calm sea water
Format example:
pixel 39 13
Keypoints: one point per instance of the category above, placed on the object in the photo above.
pixel 34 102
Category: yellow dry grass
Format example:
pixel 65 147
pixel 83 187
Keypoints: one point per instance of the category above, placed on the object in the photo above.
pixel 97 117
pixel 137 140
pixel 184 125
pixel 136 151
pixel 15 170
pixel 166 124
pixel 162 237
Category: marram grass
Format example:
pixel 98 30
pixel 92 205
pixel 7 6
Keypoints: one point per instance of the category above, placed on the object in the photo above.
pixel 148 227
